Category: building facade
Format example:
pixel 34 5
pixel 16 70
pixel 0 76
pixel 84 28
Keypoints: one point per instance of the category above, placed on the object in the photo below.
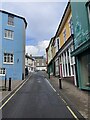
pixel 61 47
pixel 81 23
pixel 12 46
pixel 39 62
pixel 29 63
pixel 49 53
pixel 65 36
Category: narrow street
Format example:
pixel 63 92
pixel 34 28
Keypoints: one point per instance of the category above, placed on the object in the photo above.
pixel 36 99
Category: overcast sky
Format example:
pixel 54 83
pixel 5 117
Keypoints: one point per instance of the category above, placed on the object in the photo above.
pixel 43 19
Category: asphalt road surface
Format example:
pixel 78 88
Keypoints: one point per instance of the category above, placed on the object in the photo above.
pixel 36 99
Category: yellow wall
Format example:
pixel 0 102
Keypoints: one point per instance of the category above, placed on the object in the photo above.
pixel 66 26
pixel 52 49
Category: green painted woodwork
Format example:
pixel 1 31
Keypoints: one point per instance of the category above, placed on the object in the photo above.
pixel 80 23
pixel 81 42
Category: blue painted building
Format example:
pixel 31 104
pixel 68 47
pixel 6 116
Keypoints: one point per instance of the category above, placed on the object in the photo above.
pixel 12 46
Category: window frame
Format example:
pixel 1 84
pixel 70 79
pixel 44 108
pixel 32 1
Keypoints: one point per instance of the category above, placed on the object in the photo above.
pixel 7 34
pixel 70 25
pixel 2 71
pixel 11 20
pixel 88 9
pixel 64 35
pixel 9 58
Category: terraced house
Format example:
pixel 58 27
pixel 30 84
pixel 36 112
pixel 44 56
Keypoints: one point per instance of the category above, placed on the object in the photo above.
pixel 61 47
pixel 50 52
pixel 12 46
pixel 81 23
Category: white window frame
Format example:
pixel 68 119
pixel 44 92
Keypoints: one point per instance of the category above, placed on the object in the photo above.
pixel 42 63
pixel 2 71
pixel 64 34
pixel 37 64
pixel 88 7
pixel 10 20
pixel 9 58
pixel 8 34
pixel 70 25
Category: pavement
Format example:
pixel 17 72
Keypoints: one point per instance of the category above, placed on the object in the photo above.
pixel 79 99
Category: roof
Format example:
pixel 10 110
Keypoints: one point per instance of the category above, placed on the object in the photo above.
pixel 26 56
pixel 53 38
pixel 15 16
pixel 67 6
pixel 38 57
pixel 50 43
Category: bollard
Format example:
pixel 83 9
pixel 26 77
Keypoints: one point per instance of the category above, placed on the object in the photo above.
pixel 60 84
pixel 9 89
pixel 49 75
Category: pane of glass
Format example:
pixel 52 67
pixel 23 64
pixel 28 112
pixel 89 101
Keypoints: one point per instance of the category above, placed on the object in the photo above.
pixel 5 33
pixel 5 59
pixel 8 58
pixel 0 70
pixel 10 20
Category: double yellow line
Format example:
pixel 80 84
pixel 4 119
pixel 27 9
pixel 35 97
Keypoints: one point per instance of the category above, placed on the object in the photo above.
pixel 69 109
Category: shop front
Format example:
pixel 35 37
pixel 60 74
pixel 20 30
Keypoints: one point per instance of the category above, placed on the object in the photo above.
pixel 84 70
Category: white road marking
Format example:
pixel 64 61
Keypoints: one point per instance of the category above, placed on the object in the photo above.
pixel 39 81
pixel 72 113
pixel 50 85
pixel 12 95
pixel 64 101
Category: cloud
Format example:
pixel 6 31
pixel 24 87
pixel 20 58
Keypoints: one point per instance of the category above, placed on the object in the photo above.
pixel 42 46
pixel 42 18
pixel 34 0
pixel 32 50
pixel 38 49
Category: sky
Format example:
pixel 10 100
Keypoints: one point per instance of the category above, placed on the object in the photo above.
pixel 43 19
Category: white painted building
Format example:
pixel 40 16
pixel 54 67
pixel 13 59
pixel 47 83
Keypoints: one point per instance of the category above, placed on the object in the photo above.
pixel 29 63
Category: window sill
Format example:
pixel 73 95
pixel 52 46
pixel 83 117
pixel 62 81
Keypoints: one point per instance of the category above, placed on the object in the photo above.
pixel 10 25
pixel 2 75
pixel 8 63
pixel 8 38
